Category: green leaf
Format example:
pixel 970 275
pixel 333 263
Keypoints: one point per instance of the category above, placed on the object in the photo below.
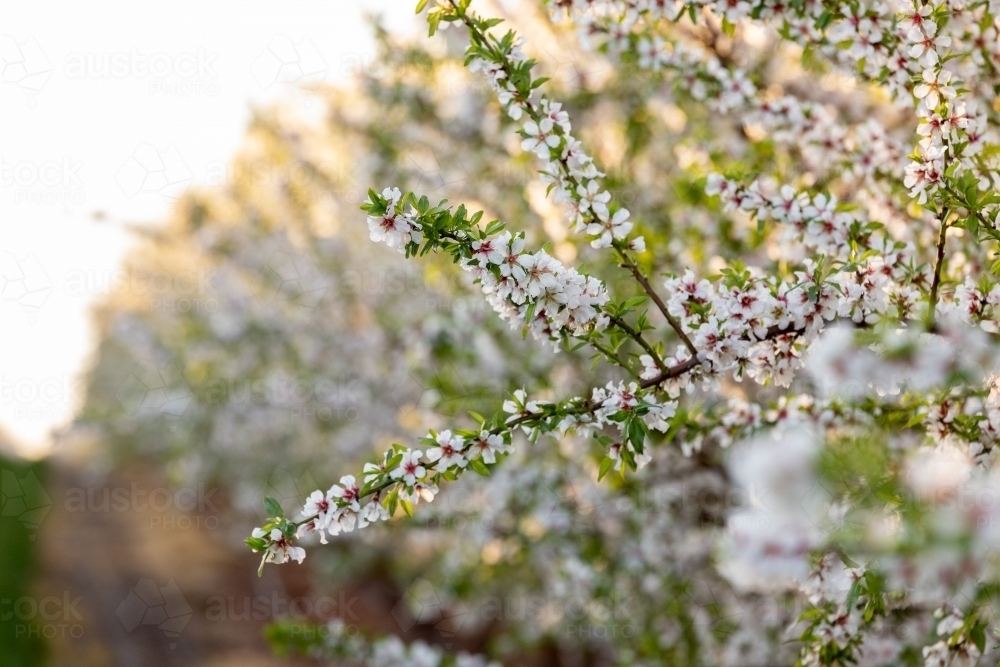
pixel 392 502
pixel 978 637
pixel 420 6
pixel 606 465
pixel 407 507
pixel 494 227
pixel 256 543
pixel 628 460
pixel 637 434
pixel 273 507
pixel 479 467
pixel 848 561
pixel 853 593
pixel 634 301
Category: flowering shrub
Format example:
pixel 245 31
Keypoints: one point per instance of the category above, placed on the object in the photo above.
pixel 770 226
pixel 868 520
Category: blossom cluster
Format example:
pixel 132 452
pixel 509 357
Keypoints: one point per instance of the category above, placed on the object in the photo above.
pixel 827 144
pixel 566 167
pixel 896 38
pixel 533 290
pixel 757 326
pixel 403 477
pixel 928 43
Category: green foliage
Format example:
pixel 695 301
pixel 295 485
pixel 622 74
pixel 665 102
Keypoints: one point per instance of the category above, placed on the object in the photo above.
pixel 21 642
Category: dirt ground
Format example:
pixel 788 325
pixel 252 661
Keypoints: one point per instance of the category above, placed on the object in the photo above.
pixel 134 581
pixel 131 574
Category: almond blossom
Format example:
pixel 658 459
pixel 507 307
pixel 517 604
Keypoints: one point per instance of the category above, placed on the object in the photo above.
pixel 808 326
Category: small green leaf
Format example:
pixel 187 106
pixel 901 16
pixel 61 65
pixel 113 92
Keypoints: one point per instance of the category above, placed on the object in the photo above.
pixel 392 502
pixel 846 560
pixel 606 465
pixel 853 594
pixel 256 543
pixel 634 301
pixel 637 434
pixel 978 637
pixel 273 507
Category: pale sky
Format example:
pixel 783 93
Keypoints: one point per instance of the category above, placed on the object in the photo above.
pixel 116 107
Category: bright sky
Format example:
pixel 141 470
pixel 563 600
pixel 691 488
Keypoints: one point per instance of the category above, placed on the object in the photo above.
pixel 115 107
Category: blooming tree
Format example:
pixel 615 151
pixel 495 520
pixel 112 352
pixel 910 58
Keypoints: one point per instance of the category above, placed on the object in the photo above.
pixel 870 481
pixel 786 453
